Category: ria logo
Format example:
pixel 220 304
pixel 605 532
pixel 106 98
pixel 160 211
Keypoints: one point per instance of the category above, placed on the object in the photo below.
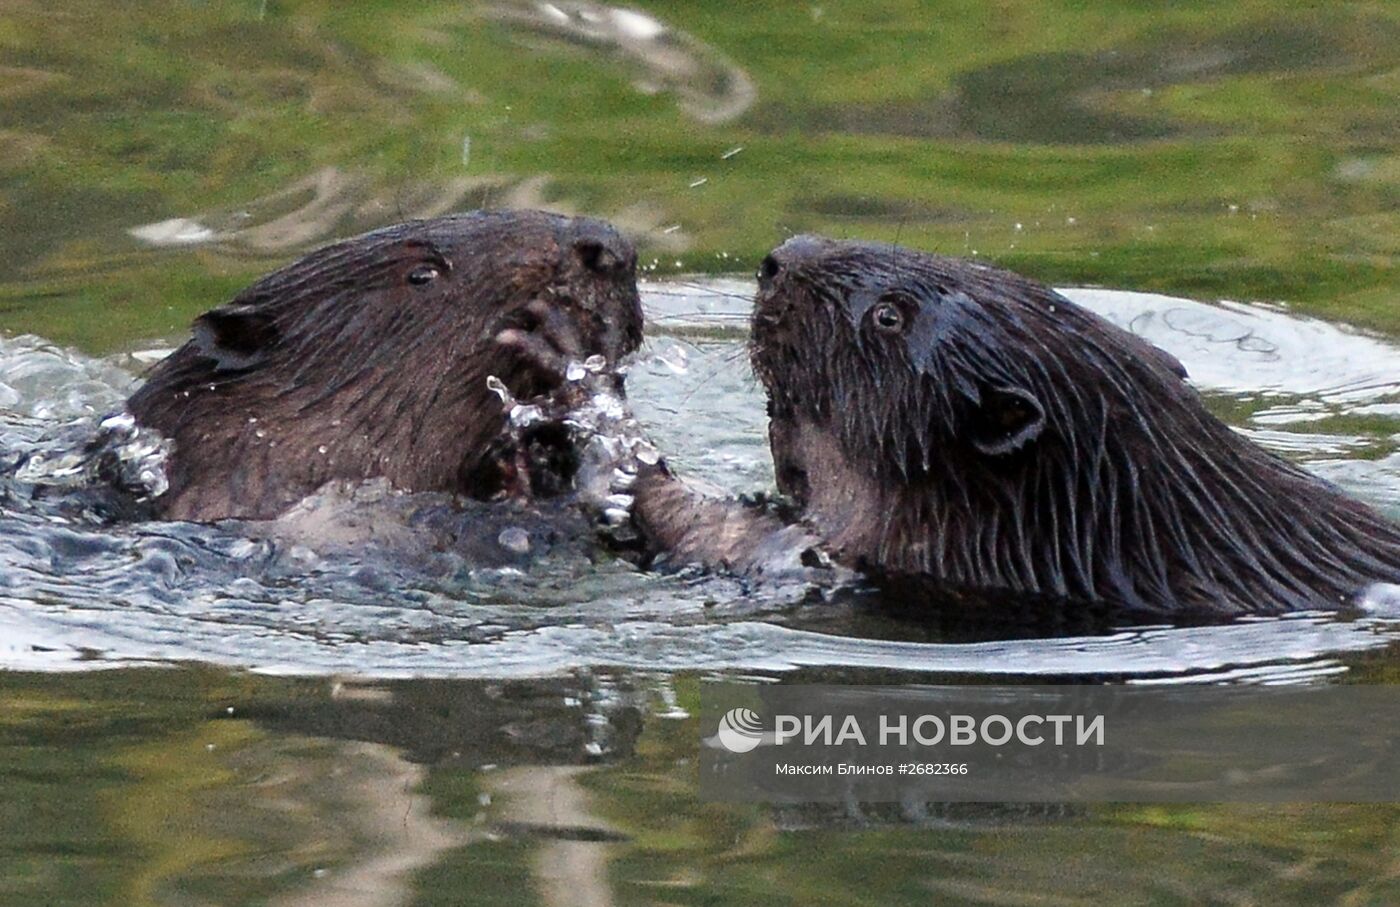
pixel 740 730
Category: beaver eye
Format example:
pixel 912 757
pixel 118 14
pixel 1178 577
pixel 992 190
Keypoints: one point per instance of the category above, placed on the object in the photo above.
pixel 422 274
pixel 888 317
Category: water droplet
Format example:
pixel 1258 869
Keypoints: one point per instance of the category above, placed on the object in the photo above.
pixel 498 387
pixel 676 359
pixel 514 540
pixel 524 415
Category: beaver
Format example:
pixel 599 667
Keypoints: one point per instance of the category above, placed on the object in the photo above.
pixel 370 358
pixel 940 420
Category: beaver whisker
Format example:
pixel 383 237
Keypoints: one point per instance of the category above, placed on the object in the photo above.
pixel 669 295
pixel 723 363
pixel 711 290
pixel 707 316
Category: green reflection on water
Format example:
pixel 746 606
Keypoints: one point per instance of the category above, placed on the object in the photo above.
pixel 1243 151
pixel 138 787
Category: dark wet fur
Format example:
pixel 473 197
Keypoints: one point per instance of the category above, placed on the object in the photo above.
pixel 378 349
pixel 1018 442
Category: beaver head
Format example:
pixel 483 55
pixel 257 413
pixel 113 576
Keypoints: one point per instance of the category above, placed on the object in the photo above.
pixel 370 358
pixel 941 418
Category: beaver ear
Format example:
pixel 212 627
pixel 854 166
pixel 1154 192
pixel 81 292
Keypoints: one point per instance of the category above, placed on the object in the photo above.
pixel 1005 420
pixel 235 336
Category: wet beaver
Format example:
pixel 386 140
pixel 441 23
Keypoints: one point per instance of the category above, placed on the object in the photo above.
pixel 370 358
pixel 941 420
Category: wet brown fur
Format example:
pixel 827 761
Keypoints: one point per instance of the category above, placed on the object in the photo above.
pixel 1004 438
pixel 370 358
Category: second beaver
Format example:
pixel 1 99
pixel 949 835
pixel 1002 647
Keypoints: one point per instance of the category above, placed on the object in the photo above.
pixel 939 419
pixel 370 358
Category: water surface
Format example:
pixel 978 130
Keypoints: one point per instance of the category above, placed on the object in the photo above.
pixel 191 716
pixel 163 592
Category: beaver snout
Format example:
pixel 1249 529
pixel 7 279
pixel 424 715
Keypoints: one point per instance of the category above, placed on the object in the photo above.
pixel 791 256
pixel 600 257
pixel 768 269
pixel 782 277
pixel 608 306
pixel 601 249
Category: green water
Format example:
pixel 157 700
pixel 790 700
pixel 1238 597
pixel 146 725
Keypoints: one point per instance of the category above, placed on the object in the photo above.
pixel 141 787
pixel 1244 151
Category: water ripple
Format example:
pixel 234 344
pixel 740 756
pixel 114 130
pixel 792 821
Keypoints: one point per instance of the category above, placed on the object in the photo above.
pixel 75 595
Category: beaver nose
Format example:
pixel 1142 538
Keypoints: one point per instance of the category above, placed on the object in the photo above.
pixel 602 250
pixel 788 257
pixel 768 269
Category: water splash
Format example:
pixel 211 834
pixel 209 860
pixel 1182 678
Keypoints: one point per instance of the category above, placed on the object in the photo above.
pixel 73 596
pixel 708 87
